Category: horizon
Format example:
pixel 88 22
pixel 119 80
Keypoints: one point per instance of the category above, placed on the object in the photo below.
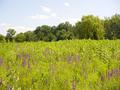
pixel 27 15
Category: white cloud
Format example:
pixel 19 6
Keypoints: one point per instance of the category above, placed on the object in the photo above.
pixel 43 17
pixel 55 17
pixel 71 20
pixel 4 27
pixel 46 9
pixel 39 17
pixel 67 4
pixel 53 14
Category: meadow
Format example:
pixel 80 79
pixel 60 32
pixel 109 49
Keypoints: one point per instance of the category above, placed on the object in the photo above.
pixel 62 65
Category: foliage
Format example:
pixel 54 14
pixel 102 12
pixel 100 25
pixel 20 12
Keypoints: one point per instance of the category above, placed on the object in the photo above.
pixel 2 38
pixel 20 37
pixel 112 27
pixel 44 33
pixel 62 65
pixel 64 31
pixel 10 35
pixel 90 27
pixel 30 36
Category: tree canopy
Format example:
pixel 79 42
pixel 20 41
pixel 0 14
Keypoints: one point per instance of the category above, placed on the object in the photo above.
pixel 112 27
pixel 89 27
pixel 10 35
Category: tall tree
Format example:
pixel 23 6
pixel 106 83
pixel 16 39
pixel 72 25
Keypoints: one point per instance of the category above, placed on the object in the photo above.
pixel 10 35
pixel 64 31
pixel 20 37
pixel 30 36
pixel 78 30
pixel 112 27
pixel 90 27
pixel 44 33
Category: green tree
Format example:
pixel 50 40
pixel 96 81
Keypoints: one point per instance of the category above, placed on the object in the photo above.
pixel 112 27
pixel 44 33
pixel 78 30
pixel 2 38
pixel 64 31
pixel 10 35
pixel 20 37
pixel 90 27
pixel 30 36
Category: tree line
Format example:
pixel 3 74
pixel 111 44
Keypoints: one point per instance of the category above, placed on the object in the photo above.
pixel 90 27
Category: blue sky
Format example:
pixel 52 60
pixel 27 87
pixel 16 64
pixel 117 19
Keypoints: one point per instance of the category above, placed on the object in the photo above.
pixel 24 15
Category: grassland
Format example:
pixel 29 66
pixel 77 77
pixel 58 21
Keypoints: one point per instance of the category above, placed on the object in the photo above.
pixel 62 65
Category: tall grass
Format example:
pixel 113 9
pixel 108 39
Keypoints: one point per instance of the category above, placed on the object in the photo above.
pixel 63 65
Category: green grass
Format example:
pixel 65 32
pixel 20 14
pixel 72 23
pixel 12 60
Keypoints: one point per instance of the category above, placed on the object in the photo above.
pixel 63 65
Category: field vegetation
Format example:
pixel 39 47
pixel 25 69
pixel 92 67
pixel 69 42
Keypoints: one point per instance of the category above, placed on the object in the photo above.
pixel 62 65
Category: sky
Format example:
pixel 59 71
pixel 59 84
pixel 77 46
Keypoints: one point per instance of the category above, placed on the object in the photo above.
pixel 25 15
